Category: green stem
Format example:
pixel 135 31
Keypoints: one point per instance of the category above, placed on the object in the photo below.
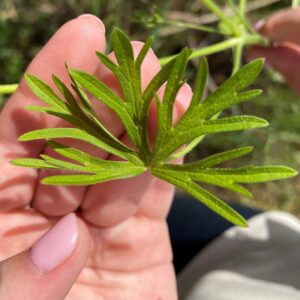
pixel 243 6
pixel 8 88
pixel 237 57
pixel 241 16
pixel 193 26
pixel 218 12
pixel 216 48
pixel 207 50
pixel 228 44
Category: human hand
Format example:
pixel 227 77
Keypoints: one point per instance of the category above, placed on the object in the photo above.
pixel 284 55
pixel 118 239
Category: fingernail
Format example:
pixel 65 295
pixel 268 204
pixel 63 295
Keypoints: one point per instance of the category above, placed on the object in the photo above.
pixel 94 18
pixel 259 25
pixel 182 102
pixel 56 244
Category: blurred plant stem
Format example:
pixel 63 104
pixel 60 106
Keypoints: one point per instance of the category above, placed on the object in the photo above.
pixel 295 3
pixel 224 45
pixel 8 88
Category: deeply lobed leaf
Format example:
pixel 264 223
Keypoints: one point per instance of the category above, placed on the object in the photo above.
pixel 200 119
pixel 203 195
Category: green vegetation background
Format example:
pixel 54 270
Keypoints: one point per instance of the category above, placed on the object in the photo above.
pixel 26 25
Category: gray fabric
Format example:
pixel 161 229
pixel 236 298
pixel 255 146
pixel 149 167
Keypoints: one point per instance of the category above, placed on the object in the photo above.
pixel 259 262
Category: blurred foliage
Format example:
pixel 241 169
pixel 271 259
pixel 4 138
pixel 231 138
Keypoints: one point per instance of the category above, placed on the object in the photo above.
pixel 26 25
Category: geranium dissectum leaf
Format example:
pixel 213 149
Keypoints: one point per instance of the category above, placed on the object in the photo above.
pixel 210 200
pixel 74 105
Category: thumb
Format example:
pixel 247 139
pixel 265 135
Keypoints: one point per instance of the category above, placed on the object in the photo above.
pixel 49 269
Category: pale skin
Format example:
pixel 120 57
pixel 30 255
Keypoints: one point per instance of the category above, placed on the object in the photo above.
pixel 123 250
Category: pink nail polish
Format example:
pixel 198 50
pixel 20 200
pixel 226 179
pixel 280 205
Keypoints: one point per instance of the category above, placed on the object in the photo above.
pixel 56 244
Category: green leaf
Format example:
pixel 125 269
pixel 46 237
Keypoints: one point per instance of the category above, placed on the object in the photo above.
pixel 76 110
pixel 61 164
pixel 145 49
pixel 40 108
pixel 83 111
pixel 74 154
pixel 227 94
pixel 150 94
pixel 99 90
pixel 181 136
pixel 44 92
pixel 197 175
pixel 188 148
pixel 108 97
pixel 79 92
pixel 110 64
pixel 123 51
pixel 200 83
pixel 132 89
pixel 232 124
pixel 86 117
pixel 158 80
pixel 240 80
pixel 253 174
pixel 75 133
pixel 128 86
pixel 32 163
pixel 174 83
pixel 93 179
pixel 216 159
pixel 209 108
pixel 79 116
pixel 85 158
pixel 83 118
pixel 204 196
